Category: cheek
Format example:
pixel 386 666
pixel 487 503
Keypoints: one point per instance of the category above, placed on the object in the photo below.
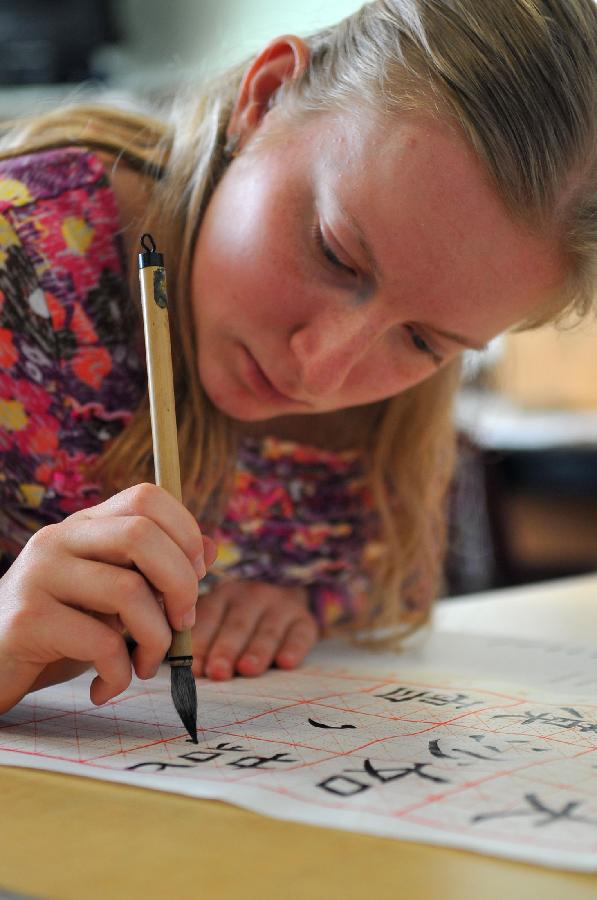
pixel 385 372
pixel 245 272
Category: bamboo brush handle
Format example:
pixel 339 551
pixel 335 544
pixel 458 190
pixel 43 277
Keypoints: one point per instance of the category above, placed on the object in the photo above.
pixel 161 401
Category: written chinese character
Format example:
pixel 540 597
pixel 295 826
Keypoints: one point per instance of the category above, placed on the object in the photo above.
pixel 403 694
pixel 546 816
pixel 572 722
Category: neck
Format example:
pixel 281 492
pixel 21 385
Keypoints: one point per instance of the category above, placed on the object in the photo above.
pixel 343 429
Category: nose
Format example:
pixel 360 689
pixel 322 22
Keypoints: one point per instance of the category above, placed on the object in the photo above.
pixel 331 344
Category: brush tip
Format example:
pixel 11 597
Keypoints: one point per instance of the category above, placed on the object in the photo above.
pixel 184 697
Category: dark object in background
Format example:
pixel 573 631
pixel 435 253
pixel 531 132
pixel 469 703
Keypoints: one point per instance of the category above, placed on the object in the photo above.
pixel 52 41
pixel 542 507
pixel 521 516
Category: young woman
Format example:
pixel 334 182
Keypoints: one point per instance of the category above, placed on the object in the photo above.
pixel 339 220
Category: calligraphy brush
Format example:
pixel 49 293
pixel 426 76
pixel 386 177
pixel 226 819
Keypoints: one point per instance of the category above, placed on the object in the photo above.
pixel 152 276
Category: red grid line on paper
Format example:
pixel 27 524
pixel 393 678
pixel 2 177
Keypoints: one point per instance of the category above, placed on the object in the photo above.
pixel 118 724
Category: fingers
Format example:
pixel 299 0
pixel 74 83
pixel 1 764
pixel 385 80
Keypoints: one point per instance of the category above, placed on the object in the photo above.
pixel 245 627
pixel 123 593
pixel 265 642
pixel 237 625
pixel 81 637
pixel 285 639
pixel 136 541
pixel 153 502
pixel 299 639
pixel 211 610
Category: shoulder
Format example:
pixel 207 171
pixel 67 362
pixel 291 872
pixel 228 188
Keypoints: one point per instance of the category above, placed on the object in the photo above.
pixel 45 175
pixel 123 178
pixel 92 178
pixel 58 213
pixel 58 231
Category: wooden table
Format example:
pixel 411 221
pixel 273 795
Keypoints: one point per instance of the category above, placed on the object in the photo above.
pixel 77 839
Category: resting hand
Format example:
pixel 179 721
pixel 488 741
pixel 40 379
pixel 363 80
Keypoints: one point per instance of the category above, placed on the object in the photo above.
pixel 246 626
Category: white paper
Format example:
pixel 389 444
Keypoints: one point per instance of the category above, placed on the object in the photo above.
pixel 497 753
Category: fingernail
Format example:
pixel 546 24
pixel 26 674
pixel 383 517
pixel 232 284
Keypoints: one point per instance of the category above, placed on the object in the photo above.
pixel 199 566
pixel 219 667
pixel 288 658
pixel 250 660
pixel 188 620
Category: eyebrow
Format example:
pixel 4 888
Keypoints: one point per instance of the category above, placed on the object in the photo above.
pixel 369 254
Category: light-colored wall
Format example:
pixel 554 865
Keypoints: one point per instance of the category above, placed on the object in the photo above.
pixel 198 36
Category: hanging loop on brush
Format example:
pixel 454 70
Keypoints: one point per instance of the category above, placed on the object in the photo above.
pixel 150 255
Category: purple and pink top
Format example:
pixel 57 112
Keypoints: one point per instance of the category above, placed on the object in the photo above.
pixel 72 372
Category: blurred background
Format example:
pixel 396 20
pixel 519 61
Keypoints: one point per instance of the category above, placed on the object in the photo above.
pixel 137 45
pixel 523 504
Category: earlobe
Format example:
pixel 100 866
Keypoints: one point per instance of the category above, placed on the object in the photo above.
pixel 284 59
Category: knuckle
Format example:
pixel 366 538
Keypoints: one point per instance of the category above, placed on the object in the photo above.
pixel 21 616
pixel 128 585
pixel 238 620
pixel 223 646
pixel 136 529
pixel 144 496
pixel 42 539
pixel 111 644
pixel 269 633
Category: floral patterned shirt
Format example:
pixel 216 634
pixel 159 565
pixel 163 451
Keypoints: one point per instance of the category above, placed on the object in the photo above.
pixel 72 373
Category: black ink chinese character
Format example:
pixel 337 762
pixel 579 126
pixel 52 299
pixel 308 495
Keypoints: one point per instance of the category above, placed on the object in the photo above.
pixel 258 762
pixel 537 806
pixel 546 718
pixel 322 725
pixel 159 766
pixel 403 694
pixel 210 753
pixel 343 786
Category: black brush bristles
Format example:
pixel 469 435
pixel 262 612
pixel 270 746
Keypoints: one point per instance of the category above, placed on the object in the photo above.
pixel 184 697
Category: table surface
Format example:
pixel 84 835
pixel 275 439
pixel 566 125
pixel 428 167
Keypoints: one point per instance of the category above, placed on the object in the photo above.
pixel 66 837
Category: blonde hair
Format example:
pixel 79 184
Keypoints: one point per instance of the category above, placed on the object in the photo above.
pixel 518 77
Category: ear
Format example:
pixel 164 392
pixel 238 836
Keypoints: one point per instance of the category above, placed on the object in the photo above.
pixel 284 58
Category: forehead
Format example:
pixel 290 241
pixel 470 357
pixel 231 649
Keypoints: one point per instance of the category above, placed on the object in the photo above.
pixel 439 231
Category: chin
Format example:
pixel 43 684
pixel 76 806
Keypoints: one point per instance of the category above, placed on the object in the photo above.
pixel 236 405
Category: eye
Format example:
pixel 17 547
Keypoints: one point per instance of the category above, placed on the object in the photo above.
pixel 329 254
pixel 422 346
